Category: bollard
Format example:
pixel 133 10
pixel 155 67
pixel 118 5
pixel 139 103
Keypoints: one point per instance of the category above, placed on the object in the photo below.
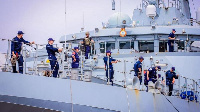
pixel 87 75
pixel 74 73
pixel 136 83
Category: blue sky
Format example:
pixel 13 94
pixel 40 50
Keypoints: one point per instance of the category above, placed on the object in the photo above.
pixel 41 19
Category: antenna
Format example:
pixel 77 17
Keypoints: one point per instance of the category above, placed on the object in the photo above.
pixel 168 3
pixel 120 8
pixel 65 23
pixel 113 4
pixel 82 29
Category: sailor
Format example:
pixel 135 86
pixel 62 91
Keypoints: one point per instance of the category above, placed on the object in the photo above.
pixel 75 58
pixel 171 38
pixel 52 56
pixel 151 74
pixel 110 67
pixel 138 68
pixel 170 79
pixel 16 47
pixel 87 42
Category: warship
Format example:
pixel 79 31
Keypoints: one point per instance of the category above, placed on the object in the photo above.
pixel 85 89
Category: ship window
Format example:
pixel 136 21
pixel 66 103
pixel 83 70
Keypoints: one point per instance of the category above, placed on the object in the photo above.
pixel 145 46
pixel 102 47
pixel 163 46
pixel 132 45
pixel 109 46
pixel 181 44
pixel 124 45
pixel 194 46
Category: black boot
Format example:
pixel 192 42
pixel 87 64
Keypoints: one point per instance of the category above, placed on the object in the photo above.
pixel 14 69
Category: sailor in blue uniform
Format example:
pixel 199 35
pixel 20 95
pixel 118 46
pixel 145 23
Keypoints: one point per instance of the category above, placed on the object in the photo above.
pixel 110 67
pixel 151 74
pixel 87 42
pixel 171 38
pixel 170 79
pixel 16 46
pixel 52 56
pixel 138 68
pixel 75 58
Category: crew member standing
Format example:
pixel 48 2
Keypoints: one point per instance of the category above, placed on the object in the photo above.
pixel 171 38
pixel 110 67
pixel 75 58
pixel 52 56
pixel 16 47
pixel 87 42
pixel 138 68
pixel 170 77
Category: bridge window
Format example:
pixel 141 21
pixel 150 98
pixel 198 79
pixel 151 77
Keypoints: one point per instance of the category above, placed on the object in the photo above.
pixel 109 46
pixel 124 45
pixel 145 46
pixel 181 44
pixel 102 47
pixel 163 46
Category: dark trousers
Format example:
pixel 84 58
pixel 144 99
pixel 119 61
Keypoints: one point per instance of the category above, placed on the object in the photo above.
pixel 146 82
pixel 111 73
pixel 171 48
pixel 14 69
pixel 170 89
pixel 75 64
pixel 87 50
pixel 54 67
pixel 20 64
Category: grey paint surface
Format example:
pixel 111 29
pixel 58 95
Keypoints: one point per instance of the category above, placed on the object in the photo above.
pixel 83 93
pixel 60 106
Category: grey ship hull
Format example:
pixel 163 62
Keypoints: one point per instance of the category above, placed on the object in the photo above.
pixel 56 94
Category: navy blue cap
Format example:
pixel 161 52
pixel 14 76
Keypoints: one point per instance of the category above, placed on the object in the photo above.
pixel 51 39
pixel 141 58
pixel 108 51
pixel 20 32
pixel 173 69
pixel 158 67
pixel 76 48
pixel 173 30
